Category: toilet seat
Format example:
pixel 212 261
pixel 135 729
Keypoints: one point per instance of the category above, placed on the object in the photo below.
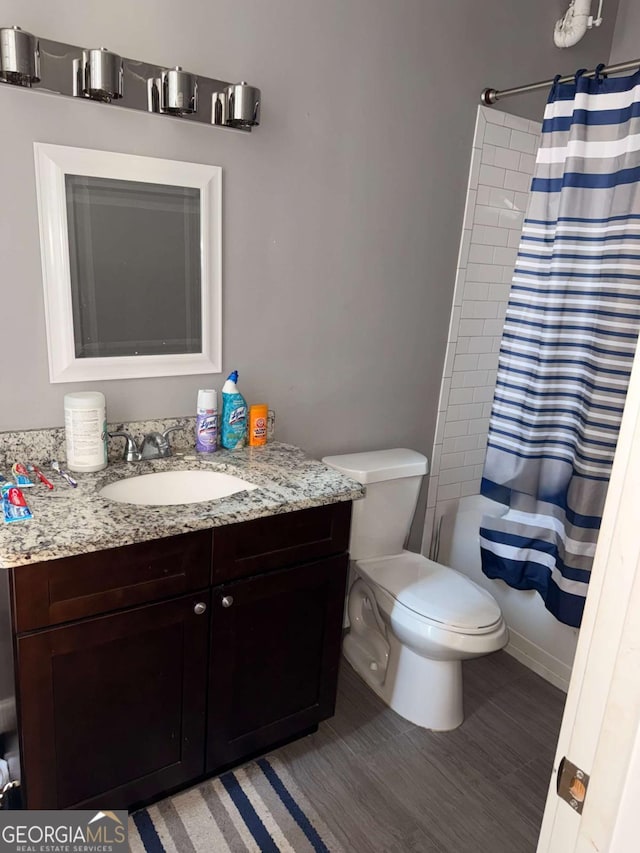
pixel 435 594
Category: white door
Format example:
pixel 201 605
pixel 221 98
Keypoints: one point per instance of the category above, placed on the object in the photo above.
pixel 600 730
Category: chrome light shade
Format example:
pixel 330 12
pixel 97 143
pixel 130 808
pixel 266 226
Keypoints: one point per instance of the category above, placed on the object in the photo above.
pixel 175 92
pixel 243 105
pixel 19 57
pixel 98 75
pixel 178 92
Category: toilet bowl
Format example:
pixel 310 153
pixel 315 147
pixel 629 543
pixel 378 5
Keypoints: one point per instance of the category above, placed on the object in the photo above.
pixel 412 621
pixel 430 618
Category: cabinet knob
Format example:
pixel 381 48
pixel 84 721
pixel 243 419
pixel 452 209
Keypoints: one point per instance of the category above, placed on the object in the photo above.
pixel 227 601
pixel 200 608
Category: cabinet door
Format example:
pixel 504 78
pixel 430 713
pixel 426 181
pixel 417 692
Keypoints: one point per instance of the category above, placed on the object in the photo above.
pixel 113 708
pixel 274 657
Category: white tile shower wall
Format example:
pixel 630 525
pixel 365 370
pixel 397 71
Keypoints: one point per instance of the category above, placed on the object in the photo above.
pixel 502 163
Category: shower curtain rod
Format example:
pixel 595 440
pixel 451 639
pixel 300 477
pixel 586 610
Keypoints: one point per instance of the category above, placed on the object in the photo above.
pixel 490 96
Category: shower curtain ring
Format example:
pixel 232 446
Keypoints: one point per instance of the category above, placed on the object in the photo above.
pixel 599 76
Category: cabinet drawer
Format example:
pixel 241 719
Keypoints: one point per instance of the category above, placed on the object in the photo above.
pixel 251 547
pixel 75 587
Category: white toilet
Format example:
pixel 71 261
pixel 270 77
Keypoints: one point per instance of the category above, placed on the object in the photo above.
pixel 412 621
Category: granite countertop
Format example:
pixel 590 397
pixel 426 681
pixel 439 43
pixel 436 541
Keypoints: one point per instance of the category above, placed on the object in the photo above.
pixel 69 521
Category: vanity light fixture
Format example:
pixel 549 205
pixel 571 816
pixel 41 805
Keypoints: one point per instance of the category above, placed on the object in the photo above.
pixel 98 75
pixel 243 105
pixel 19 57
pixel 101 75
pixel 179 92
pixel 238 106
pixel 174 92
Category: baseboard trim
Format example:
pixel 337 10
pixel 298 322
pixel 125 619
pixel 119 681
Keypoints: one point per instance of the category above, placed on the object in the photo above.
pixel 554 671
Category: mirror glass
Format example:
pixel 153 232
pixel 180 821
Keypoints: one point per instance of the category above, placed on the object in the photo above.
pixel 134 258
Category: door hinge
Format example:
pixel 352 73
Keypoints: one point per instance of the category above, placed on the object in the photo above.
pixel 572 784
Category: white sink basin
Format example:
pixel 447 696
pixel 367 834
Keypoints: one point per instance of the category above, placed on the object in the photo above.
pixel 169 488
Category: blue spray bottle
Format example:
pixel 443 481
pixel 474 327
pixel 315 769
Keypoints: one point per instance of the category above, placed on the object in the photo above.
pixel 234 414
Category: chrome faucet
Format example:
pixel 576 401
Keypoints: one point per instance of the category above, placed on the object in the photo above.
pixel 155 445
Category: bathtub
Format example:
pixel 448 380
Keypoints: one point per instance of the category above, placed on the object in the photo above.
pixel 537 639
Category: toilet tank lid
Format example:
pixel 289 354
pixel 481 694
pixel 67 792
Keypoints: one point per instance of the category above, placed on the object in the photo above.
pixel 374 466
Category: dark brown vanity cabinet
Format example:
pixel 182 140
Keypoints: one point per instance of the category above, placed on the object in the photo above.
pixel 275 645
pixel 111 658
pixel 142 668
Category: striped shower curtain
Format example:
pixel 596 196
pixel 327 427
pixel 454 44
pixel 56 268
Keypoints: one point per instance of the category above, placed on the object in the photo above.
pixel 568 343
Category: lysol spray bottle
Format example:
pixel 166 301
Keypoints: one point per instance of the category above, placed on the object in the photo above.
pixel 207 421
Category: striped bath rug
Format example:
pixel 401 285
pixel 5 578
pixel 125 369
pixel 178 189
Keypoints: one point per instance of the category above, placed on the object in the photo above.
pixel 254 808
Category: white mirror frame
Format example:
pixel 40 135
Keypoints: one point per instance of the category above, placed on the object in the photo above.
pixel 52 163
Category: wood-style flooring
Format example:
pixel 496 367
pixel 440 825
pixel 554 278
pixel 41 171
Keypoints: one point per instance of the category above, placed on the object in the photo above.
pixel 384 785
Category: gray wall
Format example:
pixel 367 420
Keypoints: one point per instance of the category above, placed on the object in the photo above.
pixel 342 212
pixel 626 37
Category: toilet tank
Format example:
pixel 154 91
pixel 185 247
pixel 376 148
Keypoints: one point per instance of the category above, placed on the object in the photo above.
pixel 381 520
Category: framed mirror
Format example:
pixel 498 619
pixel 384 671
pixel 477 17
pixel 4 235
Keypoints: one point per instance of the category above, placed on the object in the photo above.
pixel 131 264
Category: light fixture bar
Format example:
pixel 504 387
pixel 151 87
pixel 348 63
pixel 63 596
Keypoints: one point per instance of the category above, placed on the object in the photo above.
pixel 101 75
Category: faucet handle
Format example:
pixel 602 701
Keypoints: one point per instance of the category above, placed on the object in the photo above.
pixel 171 429
pixel 166 434
pixel 131 452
